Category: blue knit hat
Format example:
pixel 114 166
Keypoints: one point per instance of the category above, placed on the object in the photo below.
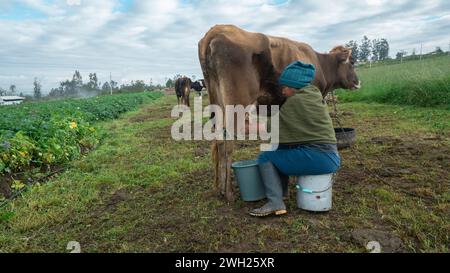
pixel 297 75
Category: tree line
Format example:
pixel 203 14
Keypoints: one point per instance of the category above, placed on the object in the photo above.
pixel 378 50
pixel 403 54
pixel 366 49
pixel 75 87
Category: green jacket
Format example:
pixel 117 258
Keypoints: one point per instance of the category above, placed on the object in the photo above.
pixel 304 119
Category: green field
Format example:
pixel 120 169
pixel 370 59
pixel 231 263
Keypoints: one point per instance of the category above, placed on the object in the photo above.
pixel 419 83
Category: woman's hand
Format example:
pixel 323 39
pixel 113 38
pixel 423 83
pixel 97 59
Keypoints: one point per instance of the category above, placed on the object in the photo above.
pixel 287 91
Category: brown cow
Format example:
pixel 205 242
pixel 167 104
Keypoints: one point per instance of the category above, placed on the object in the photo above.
pixel 183 89
pixel 242 67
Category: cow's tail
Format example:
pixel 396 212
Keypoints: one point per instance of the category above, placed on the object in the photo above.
pixel 268 76
pixel 204 51
pixel 203 46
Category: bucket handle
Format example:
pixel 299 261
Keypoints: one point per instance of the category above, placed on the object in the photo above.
pixel 311 191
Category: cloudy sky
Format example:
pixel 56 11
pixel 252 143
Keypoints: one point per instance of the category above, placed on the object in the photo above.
pixel 150 39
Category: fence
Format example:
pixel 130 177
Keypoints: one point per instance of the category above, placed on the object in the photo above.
pixel 416 53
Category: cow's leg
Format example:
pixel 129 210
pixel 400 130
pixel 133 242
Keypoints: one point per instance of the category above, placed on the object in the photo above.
pixel 215 159
pixel 187 97
pixel 222 151
pixel 229 188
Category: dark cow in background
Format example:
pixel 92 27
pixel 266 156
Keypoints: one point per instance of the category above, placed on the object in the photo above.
pixel 182 89
pixel 198 86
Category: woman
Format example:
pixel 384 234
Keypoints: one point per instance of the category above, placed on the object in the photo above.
pixel 307 138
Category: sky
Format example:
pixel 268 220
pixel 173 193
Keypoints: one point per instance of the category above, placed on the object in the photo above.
pixel 154 40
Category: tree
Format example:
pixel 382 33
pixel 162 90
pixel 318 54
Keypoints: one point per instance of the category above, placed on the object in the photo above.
pixel 135 86
pixel 400 54
pixel 169 83
pixel 12 89
pixel 113 85
pixel 106 87
pixel 56 92
pixel 2 92
pixel 77 79
pixel 151 87
pixel 37 89
pixel 364 49
pixel 383 49
pixel 93 82
pixel 375 50
pixel 138 85
pixel 73 87
pixel 438 50
pixel 355 50
pixel 380 49
pixel 69 88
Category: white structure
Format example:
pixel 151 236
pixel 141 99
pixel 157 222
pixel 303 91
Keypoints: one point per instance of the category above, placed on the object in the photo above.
pixel 10 100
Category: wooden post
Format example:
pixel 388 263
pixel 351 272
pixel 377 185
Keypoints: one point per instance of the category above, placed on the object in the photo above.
pixel 420 58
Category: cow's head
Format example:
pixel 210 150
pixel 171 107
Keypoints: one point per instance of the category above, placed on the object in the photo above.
pixel 346 75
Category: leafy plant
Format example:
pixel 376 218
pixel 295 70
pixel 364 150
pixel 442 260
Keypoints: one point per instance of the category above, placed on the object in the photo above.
pixel 17 185
pixel 55 132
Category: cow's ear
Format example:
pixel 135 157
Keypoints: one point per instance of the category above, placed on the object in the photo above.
pixel 344 55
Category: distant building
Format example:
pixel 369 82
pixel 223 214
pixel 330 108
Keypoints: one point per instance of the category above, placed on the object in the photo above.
pixel 10 100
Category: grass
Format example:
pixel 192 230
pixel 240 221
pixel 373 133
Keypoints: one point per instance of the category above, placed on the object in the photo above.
pixel 423 83
pixel 141 191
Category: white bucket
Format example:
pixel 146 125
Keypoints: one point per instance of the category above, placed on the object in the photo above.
pixel 314 192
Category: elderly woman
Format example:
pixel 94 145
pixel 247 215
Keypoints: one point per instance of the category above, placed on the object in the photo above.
pixel 307 139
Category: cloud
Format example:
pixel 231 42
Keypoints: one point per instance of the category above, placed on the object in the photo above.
pixel 73 2
pixel 158 39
